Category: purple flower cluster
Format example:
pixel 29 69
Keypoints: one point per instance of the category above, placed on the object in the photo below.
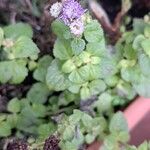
pixel 70 12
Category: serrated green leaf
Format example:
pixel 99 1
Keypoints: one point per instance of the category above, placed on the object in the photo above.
pixel 131 74
pixel 129 52
pixel 107 67
pixel 5 129
pixel 144 62
pixel 146 46
pixel 45 130
pixel 13 71
pixel 125 90
pixel 75 117
pixel 147 31
pixel 42 66
pixel 62 49
pixel 74 88
pixel 68 133
pixel 87 121
pixel 89 138
pixel 14 105
pixel 68 66
pixel 112 80
pixel 78 45
pixel 19 29
pixel 137 42
pixel 85 93
pixel 76 77
pixel 93 32
pixel 97 87
pixel 3 117
pixel 118 123
pixel 12 120
pixel 97 48
pixel 24 47
pixel 55 78
pixel 89 72
pixel 39 110
pixel 142 86
pixel 61 30
pixel 38 93
pixel 104 102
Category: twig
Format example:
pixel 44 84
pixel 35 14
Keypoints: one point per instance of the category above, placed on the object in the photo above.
pixel 113 30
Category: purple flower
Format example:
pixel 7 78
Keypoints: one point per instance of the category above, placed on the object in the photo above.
pixel 71 11
pixel 77 27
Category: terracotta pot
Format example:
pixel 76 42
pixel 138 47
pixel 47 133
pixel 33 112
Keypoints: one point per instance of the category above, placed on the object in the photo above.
pixel 138 118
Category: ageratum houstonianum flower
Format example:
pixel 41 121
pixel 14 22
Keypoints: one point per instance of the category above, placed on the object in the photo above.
pixel 77 27
pixel 56 9
pixel 71 11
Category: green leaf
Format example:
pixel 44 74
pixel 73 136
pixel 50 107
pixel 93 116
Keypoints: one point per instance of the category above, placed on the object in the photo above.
pixel 12 120
pixel 97 87
pixel 13 71
pixel 85 93
pixel 129 52
pixel 14 105
pixel 24 47
pixel 39 110
pixel 78 45
pixel 19 29
pixel 146 46
pixel 144 62
pixel 147 31
pixel 122 137
pixel 125 90
pixel 112 80
pixel 5 129
pixel 118 123
pixel 76 77
pixel 138 26
pixel 93 32
pixel 87 121
pixel 61 30
pixel 3 117
pixel 68 66
pixel 131 74
pixel 1 36
pixel 41 70
pixel 55 79
pixel 45 130
pixel 107 67
pixel 68 133
pixel 137 42
pixel 103 103
pixel 75 117
pixel 97 48
pixel 74 88
pixel 143 146
pixel 142 86
pixel 89 72
pixel 89 138
pixel 38 93
pixel 62 49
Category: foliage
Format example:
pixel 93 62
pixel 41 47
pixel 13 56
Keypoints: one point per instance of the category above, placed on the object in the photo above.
pixel 16 51
pixel 75 93
pixel 136 63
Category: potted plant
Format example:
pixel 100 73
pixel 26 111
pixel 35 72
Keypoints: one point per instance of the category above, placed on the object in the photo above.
pixel 76 93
